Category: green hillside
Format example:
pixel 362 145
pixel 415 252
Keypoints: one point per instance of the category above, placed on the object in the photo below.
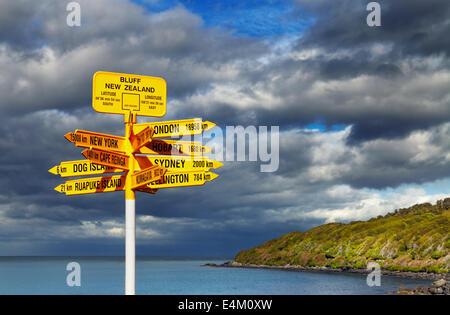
pixel 412 239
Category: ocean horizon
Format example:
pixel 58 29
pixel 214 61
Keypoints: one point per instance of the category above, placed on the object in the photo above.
pixel 177 275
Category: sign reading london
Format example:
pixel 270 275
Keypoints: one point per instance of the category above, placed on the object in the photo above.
pixel 119 93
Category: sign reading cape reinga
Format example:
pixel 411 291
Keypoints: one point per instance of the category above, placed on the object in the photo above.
pixel 161 163
pixel 119 93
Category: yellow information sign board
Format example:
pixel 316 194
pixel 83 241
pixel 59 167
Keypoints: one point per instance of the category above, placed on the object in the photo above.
pixel 178 163
pixel 107 158
pixel 174 147
pixel 82 168
pixel 176 128
pixel 92 185
pixel 147 176
pixel 119 93
pixel 181 179
pixel 88 139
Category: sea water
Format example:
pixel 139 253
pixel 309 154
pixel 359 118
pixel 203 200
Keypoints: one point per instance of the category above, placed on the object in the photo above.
pixel 105 275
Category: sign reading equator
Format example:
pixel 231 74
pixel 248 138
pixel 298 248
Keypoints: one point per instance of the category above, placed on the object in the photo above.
pixel 119 93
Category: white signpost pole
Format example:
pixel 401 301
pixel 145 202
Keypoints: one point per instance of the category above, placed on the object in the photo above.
pixel 130 215
pixel 130 247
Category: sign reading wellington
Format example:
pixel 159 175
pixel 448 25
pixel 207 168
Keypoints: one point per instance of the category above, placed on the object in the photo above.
pixel 141 160
pixel 119 93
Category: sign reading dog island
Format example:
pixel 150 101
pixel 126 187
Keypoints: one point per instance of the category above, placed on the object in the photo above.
pixel 119 93
pixel 147 164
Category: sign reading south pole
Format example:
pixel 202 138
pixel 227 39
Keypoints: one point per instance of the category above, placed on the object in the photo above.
pixel 119 93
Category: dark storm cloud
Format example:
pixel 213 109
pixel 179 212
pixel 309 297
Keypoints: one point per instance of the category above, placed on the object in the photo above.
pixel 115 36
pixel 327 159
pixel 19 25
pixel 413 26
pixel 410 29
pixel 389 84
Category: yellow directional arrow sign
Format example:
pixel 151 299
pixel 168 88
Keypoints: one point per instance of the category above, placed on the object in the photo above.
pixel 178 163
pixel 92 185
pixel 142 138
pixel 88 139
pixel 174 147
pixel 107 158
pixel 120 93
pixel 176 128
pixel 181 179
pixel 147 176
pixel 81 168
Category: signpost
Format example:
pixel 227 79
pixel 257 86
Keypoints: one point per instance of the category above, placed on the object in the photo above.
pixel 183 179
pixel 146 176
pixel 174 147
pixel 82 168
pixel 88 139
pixel 92 185
pixel 108 158
pixel 170 163
pixel 142 138
pixel 119 93
pixel 178 163
pixel 177 128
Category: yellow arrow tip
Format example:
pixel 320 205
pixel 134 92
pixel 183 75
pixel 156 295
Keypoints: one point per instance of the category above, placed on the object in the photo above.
pixel 54 170
pixel 213 175
pixel 58 188
pixel 218 164
pixel 208 125
pixel 85 153
pixel 68 136
pixel 207 149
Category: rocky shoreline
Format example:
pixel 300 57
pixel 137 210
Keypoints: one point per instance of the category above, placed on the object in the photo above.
pixel 441 285
pixel 403 274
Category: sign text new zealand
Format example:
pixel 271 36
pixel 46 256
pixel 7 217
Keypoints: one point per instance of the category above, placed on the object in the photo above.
pixel 119 93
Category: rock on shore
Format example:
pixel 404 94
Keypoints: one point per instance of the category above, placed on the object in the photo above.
pixel 439 287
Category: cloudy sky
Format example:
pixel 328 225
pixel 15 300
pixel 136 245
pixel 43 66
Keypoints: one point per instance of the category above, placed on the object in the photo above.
pixel 364 116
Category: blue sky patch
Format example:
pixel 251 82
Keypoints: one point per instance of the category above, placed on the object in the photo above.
pixel 252 18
